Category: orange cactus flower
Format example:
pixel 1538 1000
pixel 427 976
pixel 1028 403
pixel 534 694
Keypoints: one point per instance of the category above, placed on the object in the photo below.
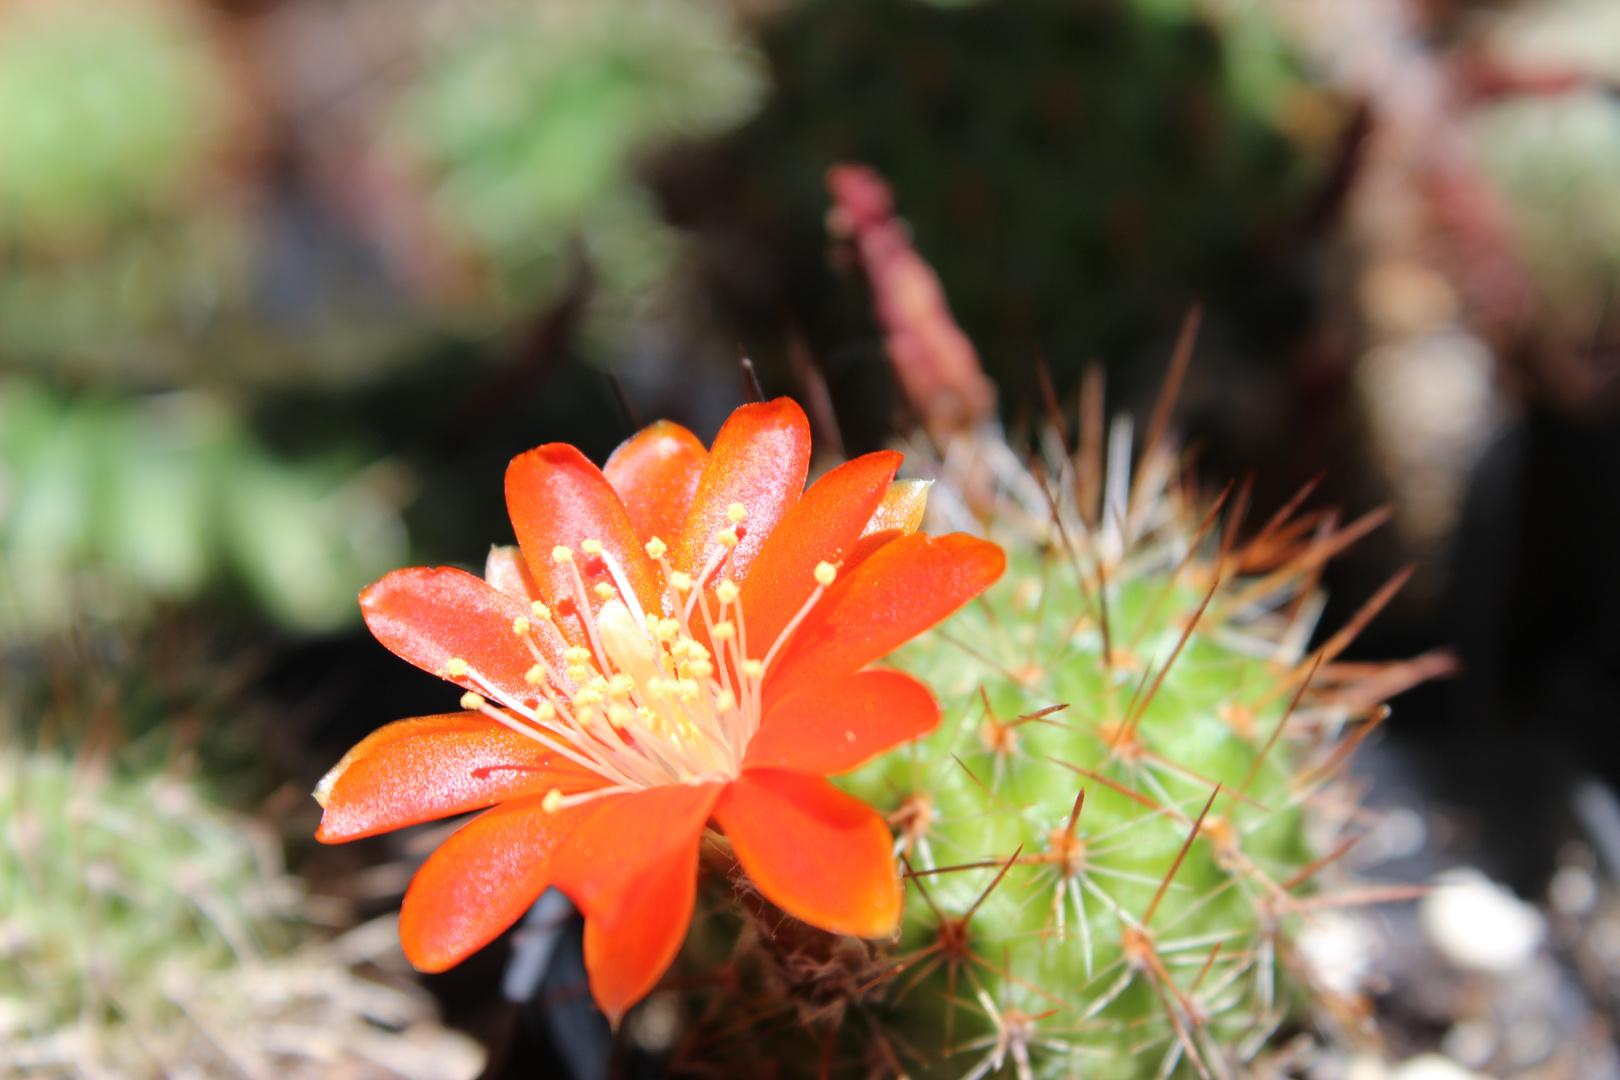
pixel 682 637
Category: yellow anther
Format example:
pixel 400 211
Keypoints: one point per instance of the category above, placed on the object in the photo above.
pixel 589 696
pixel 723 631
pixel 621 685
pixel 700 669
pixel 545 712
pixel 667 630
pixel 825 573
pixel 727 591
pixel 687 689
pixel 620 715
pixel 726 538
pixel 647 717
pixel 656 548
pixel 725 701
pixel 696 651
pixel 535 675
pixel 591 547
pixel 681 582
pixel 604 590
pixel 552 802
pixel 562 554
pixel 472 702
pixel 540 611
pixel 520 626
pixel 578 673
pixel 736 512
pixel 753 669
pixel 577 655
pixel 455 667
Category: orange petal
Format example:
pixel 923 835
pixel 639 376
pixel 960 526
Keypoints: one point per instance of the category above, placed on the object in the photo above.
pixel 506 571
pixel 480 881
pixel 820 527
pixel 904 588
pixel 818 854
pixel 840 725
pixel 430 616
pixel 435 766
pixel 656 471
pixel 558 498
pixel 626 956
pixel 900 514
pixel 759 459
pixel 630 866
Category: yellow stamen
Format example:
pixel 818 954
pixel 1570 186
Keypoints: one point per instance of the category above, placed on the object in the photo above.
pixel 736 512
pixel 472 702
pixel 656 548
pixel 604 591
pixel 540 610
pixel 825 573
pixel 591 547
pixel 561 554
pixel 681 582
pixel 577 656
pixel 725 701
pixel 520 626
pixel 727 591
pixel 726 538
pixel 535 675
pixel 723 631
pixel 552 802
pixel 455 667
pixel 752 669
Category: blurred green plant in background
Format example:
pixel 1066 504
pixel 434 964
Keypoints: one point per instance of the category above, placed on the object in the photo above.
pixel 1075 172
pixel 1556 157
pixel 528 117
pixel 115 246
pixel 109 502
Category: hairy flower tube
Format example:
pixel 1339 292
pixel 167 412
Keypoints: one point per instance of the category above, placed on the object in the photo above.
pixel 679 638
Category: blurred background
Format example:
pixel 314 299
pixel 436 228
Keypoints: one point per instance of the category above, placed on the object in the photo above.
pixel 285 283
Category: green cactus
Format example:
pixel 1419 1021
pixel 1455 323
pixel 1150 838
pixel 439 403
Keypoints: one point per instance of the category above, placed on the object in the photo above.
pixel 116 890
pixel 1129 807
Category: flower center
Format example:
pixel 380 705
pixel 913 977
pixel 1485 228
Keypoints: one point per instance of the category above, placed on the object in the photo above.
pixel 646 704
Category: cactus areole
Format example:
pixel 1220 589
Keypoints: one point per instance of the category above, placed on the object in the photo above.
pixel 679 638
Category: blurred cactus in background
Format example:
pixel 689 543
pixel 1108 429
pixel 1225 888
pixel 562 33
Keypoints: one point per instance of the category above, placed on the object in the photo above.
pixel 117 242
pixel 146 933
pixel 147 929
pixel 1075 173
pixel 527 115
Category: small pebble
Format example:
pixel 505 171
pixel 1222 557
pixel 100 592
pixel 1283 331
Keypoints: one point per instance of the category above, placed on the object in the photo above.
pixel 1433 1067
pixel 1480 926
pixel 1470 1043
pixel 1573 891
